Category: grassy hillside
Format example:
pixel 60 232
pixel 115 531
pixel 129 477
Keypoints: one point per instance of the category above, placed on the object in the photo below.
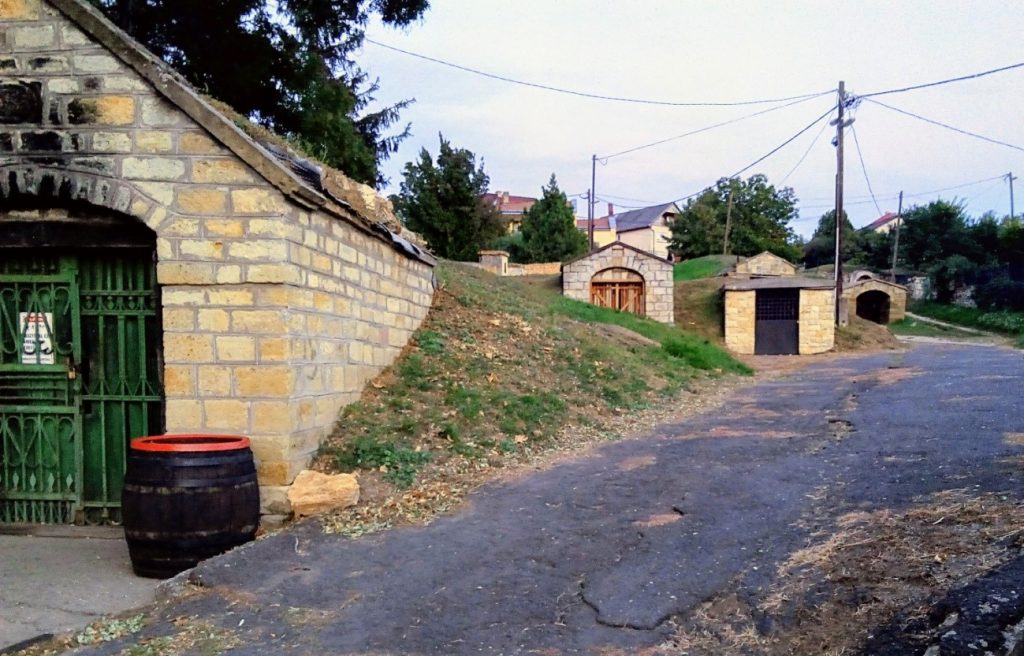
pixel 699 308
pixel 499 371
pixel 702 267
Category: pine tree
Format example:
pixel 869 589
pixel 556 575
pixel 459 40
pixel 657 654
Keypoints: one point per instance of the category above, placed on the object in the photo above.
pixel 443 203
pixel 549 228
pixel 285 65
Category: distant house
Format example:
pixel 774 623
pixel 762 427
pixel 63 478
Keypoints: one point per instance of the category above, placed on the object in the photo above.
pixel 604 229
pixel 512 208
pixel 882 224
pixel 648 228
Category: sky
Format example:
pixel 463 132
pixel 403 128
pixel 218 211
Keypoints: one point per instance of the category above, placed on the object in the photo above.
pixel 722 51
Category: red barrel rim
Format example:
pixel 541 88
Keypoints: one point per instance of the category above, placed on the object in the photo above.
pixel 191 443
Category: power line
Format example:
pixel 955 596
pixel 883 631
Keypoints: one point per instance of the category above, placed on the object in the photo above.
pixel 768 154
pixel 860 156
pixel 959 186
pixel 919 194
pixel 611 198
pixel 806 152
pixel 711 127
pixel 784 143
pixel 866 199
pixel 944 125
pixel 595 96
pixel 972 76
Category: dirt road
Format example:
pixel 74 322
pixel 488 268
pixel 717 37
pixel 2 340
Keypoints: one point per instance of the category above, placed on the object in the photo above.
pixel 854 506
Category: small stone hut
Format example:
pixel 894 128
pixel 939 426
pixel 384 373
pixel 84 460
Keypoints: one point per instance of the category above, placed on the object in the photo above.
pixel 783 315
pixel 169 273
pixel 765 264
pixel 875 299
pixel 622 277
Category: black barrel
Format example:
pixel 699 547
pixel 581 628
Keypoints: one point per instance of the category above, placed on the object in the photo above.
pixel 187 498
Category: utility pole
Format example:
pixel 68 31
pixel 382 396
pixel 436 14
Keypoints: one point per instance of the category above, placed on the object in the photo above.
pixel 841 124
pixel 1010 178
pixel 896 246
pixel 591 200
pixel 728 221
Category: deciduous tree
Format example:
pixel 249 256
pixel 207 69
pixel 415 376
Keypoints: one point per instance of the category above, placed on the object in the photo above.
pixel 758 220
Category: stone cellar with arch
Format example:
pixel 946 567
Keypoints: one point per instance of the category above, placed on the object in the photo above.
pixel 161 271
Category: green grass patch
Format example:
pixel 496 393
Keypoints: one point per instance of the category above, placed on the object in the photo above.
pixel 697 352
pixel 702 267
pixel 1004 321
pixel 368 452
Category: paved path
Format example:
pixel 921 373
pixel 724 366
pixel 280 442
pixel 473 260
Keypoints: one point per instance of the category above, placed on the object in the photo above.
pixel 61 579
pixel 597 553
pixel 936 322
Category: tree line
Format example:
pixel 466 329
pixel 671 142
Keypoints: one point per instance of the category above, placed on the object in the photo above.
pixel 289 67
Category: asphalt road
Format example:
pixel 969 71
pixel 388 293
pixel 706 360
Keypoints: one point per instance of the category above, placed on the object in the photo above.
pixel 596 553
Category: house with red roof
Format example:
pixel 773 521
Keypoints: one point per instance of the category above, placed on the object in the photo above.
pixel 882 224
pixel 512 208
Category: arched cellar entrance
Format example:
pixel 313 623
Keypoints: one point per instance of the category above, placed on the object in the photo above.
pixel 619 289
pixel 874 306
pixel 80 360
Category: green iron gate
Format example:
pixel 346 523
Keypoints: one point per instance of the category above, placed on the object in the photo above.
pixel 79 377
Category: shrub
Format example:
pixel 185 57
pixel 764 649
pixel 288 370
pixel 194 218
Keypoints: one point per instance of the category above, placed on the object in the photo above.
pixel 1000 294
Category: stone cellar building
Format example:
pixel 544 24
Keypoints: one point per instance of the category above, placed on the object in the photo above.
pixel 160 271
pixel 622 277
pixel 780 315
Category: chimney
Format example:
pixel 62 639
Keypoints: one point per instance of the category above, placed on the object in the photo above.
pixel 611 209
pixel 504 197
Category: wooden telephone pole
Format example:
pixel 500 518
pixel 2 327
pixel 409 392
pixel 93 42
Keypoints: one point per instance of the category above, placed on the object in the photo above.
pixel 1010 178
pixel 591 199
pixel 896 246
pixel 840 124
pixel 728 221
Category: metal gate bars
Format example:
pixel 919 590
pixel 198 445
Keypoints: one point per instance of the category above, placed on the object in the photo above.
pixel 776 325
pixel 79 377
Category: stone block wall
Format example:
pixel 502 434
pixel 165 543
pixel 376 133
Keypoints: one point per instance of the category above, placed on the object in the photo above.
pixel 657 275
pixel 276 312
pixel 817 320
pixel 765 264
pixel 497 263
pixel 542 269
pixel 740 315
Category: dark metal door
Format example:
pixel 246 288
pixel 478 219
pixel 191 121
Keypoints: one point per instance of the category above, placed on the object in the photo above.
pixel 776 327
pixel 79 377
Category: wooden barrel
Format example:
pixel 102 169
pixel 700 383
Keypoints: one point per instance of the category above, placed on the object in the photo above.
pixel 187 498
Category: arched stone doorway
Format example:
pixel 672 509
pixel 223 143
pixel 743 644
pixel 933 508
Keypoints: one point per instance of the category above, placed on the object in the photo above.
pixel 80 357
pixel 873 305
pixel 619 289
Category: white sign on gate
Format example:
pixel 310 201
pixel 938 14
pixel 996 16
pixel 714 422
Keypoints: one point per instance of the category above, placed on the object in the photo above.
pixel 37 345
